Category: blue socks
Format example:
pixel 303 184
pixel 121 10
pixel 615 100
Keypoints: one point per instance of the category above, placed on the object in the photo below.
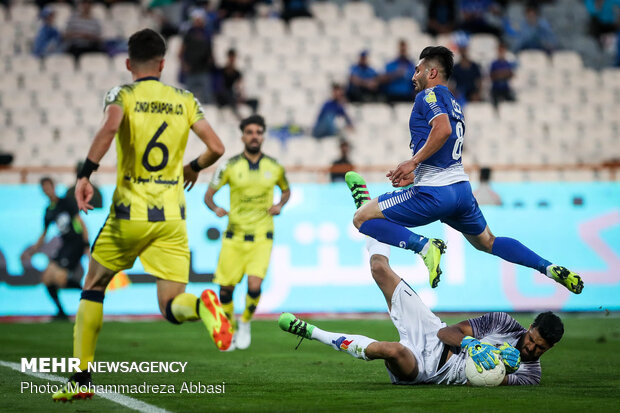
pixel 512 250
pixel 390 233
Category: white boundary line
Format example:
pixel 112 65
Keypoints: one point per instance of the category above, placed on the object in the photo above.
pixel 118 398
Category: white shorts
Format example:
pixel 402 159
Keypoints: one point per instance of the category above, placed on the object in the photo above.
pixel 417 327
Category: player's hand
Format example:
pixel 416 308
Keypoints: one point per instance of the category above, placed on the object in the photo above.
pixel 220 212
pixel 484 355
pixel 275 209
pixel 511 357
pixel 189 177
pixel 403 170
pixel 406 181
pixel 83 194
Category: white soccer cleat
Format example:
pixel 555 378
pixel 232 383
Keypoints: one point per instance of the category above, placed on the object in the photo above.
pixel 243 337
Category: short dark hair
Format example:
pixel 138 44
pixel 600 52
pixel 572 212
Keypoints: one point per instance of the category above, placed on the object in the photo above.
pixel 46 179
pixel 253 120
pixel 443 56
pixel 145 45
pixel 550 327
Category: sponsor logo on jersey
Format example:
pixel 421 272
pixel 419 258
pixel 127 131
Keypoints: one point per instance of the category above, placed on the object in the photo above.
pixel 430 97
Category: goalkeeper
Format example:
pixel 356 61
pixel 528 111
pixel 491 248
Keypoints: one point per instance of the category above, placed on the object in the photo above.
pixel 431 352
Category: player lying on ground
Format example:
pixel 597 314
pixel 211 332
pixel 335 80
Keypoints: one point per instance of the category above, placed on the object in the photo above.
pixel 151 122
pixel 441 190
pixel 428 350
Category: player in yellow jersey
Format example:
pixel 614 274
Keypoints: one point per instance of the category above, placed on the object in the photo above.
pixel 246 245
pixel 151 123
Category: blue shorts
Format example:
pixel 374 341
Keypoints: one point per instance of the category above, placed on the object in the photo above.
pixel 453 204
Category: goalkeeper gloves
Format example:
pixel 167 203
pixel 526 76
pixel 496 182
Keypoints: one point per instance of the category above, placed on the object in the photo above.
pixel 484 355
pixel 511 357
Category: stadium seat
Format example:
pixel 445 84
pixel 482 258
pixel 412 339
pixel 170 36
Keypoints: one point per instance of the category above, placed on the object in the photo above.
pixel 63 12
pixel 59 63
pixel 513 111
pixel 566 60
pixel 237 28
pixel 24 13
pixel 533 59
pixel 94 63
pixel 100 12
pixel 305 28
pixel 403 27
pixel 480 111
pixel 270 28
pixel 325 12
pixel 358 12
pixel 26 64
pixel 125 12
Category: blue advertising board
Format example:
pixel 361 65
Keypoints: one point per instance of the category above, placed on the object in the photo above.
pixel 319 262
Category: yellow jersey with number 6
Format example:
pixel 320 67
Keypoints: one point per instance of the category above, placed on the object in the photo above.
pixel 150 144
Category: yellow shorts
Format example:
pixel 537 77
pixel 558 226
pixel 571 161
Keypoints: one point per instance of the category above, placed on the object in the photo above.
pixel 162 247
pixel 239 257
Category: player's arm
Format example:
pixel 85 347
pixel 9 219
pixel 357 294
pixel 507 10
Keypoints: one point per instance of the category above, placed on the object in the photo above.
pixel 219 211
pixel 84 230
pixel 276 208
pixel 484 355
pixel 453 335
pixel 39 242
pixel 84 191
pixel 215 149
pixel 439 134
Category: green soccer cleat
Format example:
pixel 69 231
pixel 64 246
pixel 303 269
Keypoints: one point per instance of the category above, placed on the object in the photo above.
pixel 288 322
pixel 74 389
pixel 566 277
pixel 358 188
pixel 431 259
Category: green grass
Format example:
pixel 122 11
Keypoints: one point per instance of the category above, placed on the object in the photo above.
pixel 581 373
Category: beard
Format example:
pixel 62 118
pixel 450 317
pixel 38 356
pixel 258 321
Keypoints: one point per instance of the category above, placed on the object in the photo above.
pixel 253 150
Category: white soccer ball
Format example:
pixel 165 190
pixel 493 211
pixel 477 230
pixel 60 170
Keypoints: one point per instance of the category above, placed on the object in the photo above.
pixel 488 378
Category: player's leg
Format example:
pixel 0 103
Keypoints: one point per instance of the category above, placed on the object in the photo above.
pixel 175 304
pixel 382 273
pixel 53 278
pixel 231 266
pixel 370 219
pixel 513 251
pixel 243 336
pixel 166 257
pixel 469 220
pixel 398 359
pixel 226 298
pixel 258 257
pixel 353 344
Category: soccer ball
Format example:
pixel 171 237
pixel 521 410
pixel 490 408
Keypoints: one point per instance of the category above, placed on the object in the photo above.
pixel 488 378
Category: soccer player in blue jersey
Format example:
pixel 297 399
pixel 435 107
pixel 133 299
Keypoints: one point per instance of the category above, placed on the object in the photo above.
pixel 441 189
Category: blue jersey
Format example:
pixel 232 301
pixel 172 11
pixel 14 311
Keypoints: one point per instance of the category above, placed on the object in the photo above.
pixel 444 166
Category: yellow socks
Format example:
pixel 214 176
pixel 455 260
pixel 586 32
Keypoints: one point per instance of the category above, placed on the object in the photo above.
pixel 88 321
pixel 251 301
pixel 183 307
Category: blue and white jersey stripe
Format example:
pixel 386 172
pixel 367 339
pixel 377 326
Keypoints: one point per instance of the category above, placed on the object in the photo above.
pixel 427 175
pixel 444 166
pixel 397 197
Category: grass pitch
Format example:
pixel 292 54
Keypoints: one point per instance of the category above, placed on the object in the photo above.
pixel 581 373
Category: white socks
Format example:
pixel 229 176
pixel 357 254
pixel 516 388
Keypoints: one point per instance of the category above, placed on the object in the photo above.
pixel 353 344
pixel 375 247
